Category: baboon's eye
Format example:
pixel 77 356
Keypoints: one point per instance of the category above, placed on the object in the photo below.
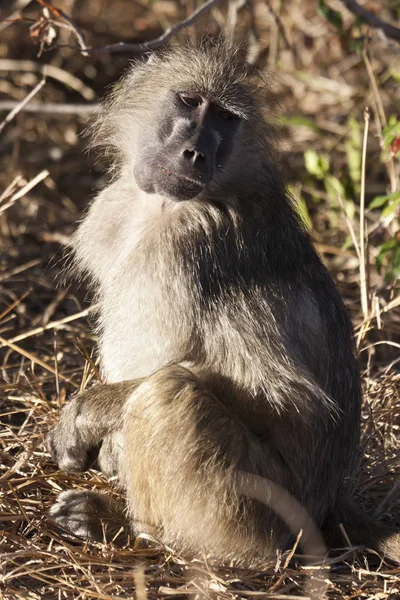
pixel 190 100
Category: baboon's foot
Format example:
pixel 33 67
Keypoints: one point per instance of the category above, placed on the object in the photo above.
pixel 91 515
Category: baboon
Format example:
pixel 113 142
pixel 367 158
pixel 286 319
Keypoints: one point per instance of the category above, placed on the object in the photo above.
pixel 224 343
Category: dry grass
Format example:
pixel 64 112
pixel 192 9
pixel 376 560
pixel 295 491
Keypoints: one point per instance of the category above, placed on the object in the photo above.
pixel 47 348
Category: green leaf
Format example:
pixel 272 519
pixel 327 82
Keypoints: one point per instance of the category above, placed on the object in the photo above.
pixel 383 200
pixel 383 251
pixel 350 208
pixel 390 208
pixel 378 202
pixel 396 263
pixel 391 132
pixel 395 74
pixel 388 245
pixel 316 165
pixel 378 263
pixel 333 16
pixel 348 243
pixel 390 253
pixel 300 122
pixel 334 187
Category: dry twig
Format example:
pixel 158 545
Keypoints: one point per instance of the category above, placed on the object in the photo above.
pixel 19 106
pixel 24 190
pixel 363 242
pixel 126 47
pixel 51 71
pixel 52 108
pixel 372 20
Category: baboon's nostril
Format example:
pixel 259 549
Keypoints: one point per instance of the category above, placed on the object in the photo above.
pixel 189 155
pixel 194 156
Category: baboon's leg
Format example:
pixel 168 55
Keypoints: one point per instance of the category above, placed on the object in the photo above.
pixel 91 515
pixel 182 452
pixel 88 419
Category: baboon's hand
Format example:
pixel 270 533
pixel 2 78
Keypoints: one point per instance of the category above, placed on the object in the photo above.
pixel 85 422
pixel 70 443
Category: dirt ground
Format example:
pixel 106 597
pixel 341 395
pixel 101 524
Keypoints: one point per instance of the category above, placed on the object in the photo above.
pixel 322 78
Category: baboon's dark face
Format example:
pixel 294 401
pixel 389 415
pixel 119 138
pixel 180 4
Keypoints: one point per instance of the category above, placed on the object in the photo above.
pixel 188 149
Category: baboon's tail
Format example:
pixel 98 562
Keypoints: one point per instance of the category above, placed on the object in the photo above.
pixel 364 530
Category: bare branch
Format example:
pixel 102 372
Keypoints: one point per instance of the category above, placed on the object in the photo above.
pixel 157 42
pixel 27 187
pixel 48 70
pixel 279 24
pixel 372 20
pixel 21 105
pixel 51 108
pixel 53 324
pixel 123 46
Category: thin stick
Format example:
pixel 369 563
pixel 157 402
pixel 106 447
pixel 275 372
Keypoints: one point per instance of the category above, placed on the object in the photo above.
pixel 350 227
pixel 380 119
pixel 56 366
pixel 52 325
pixel 363 271
pixel 393 492
pixel 293 550
pixel 10 188
pixel 380 343
pixel 382 122
pixel 26 188
pixel 20 269
pixel 392 304
pixel 33 358
pixel 344 534
pixel 30 185
pixel 16 110
pixel 14 304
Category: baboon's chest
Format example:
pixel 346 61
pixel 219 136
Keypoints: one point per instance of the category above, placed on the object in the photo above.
pixel 144 326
